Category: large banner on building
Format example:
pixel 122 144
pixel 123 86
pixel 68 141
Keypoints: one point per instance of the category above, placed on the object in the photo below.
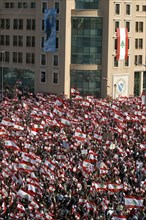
pixel 50 30
pixel 120 85
pixel 122 43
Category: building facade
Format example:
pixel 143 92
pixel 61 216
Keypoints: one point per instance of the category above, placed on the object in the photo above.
pixel 85 46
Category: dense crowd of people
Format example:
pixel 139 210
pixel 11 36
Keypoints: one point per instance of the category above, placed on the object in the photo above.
pixel 79 158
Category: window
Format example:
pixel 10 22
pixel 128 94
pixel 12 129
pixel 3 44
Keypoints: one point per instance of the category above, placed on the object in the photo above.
pixel 139 43
pixel 55 79
pixel 139 26
pixel 18 24
pixel 20 57
pixel 115 44
pixel 30 58
pixel 144 8
pixel 14 40
pixel 7 40
pixel 55 60
pixel 2 40
pixel 116 63
pixel 117 25
pixel 57 7
pixel 19 4
pixel 14 57
pixel 7 24
pixel 2 24
pixel 30 41
pixel 117 9
pixel 43 25
pixel 43 59
pixel 137 7
pixel 42 42
pixel 138 60
pixel 43 76
pixel 30 24
pixel 44 6
pixel 20 40
pixel 7 56
pixel 86 42
pixel 127 24
pixel 57 25
pixel 32 5
pixel 9 5
pixel 57 42
pixel 127 61
pixel 127 9
pixel 86 4
pixel 128 43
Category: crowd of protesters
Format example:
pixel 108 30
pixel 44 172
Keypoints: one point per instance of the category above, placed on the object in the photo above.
pixel 79 158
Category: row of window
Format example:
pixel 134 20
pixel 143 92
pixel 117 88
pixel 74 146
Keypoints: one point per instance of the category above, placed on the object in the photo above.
pixel 18 24
pixel 31 5
pixel 127 8
pixel 20 5
pixel 138 26
pixel 55 77
pixel 137 61
pixel 17 57
pixel 19 41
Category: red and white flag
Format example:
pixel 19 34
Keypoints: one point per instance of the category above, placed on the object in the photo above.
pixel 20 207
pixel 100 186
pixel 118 217
pixel 11 144
pixel 113 187
pixel 122 43
pixel 87 165
pixel 65 122
pixel 80 135
pixel 24 194
pixel 85 103
pixel 133 202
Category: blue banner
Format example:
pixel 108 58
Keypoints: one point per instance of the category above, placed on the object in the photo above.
pixel 50 30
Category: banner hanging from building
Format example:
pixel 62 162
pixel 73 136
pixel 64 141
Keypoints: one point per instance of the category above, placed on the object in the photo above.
pixel 122 44
pixel 50 30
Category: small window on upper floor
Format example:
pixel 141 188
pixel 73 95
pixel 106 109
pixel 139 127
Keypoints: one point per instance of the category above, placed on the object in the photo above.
pixel 57 7
pixel 44 7
pixel 128 7
pixel 43 77
pixel 144 8
pixel 32 4
pixel 117 9
pixel 137 7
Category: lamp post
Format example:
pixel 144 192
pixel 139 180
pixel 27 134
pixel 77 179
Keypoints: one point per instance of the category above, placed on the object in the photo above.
pixel 2 76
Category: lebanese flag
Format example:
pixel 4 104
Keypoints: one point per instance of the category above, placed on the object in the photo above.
pixel 18 127
pixel 6 122
pixel 24 194
pixel 100 186
pixel 33 189
pixel 57 111
pixel 122 44
pixel 98 137
pixel 20 207
pixel 80 135
pixel 133 201
pixel 87 166
pixel 11 144
pixel 59 102
pixel 85 103
pixel 65 122
pixel 74 91
pixel 113 187
pixel 118 217
pixel 26 168
pixel 50 165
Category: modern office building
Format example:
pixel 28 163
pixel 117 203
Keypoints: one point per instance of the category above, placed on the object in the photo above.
pixel 86 45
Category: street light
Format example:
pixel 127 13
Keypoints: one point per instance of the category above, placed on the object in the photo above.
pixel 2 77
